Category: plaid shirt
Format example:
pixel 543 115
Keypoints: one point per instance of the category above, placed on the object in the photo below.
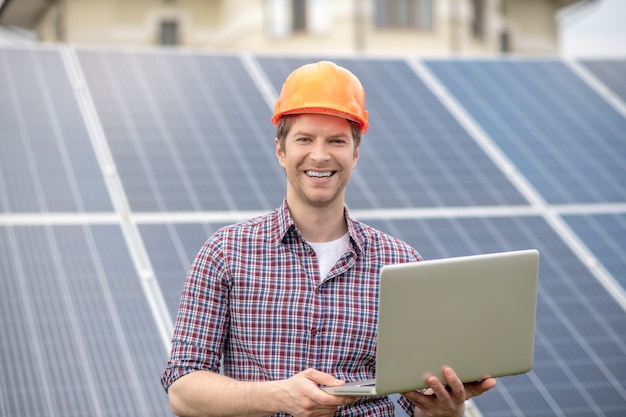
pixel 253 299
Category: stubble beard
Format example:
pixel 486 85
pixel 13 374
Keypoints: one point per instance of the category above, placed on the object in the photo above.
pixel 303 196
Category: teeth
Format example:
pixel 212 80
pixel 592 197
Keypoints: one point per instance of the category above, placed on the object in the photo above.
pixel 318 174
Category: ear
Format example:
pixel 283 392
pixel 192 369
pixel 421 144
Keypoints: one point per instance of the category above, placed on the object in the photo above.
pixel 280 153
pixel 356 157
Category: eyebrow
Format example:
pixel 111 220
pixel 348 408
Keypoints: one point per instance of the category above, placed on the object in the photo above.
pixel 331 136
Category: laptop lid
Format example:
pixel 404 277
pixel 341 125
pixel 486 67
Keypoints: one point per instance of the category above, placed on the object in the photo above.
pixel 475 314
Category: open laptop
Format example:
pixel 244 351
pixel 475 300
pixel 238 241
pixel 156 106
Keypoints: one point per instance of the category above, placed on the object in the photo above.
pixel 475 314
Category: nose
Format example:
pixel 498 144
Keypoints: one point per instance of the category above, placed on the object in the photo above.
pixel 319 152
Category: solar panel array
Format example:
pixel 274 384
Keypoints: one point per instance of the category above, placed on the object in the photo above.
pixel 116 164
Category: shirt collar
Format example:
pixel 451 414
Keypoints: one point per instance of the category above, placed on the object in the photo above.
pixel 285 225
pixel 284 222
pixel 353 231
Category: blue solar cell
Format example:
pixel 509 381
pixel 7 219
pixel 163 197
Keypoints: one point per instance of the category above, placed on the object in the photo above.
pixel 604 235
pixel 78 336
pixel 610 72
pixel 46 159
pixel 568 141
pixel 187 132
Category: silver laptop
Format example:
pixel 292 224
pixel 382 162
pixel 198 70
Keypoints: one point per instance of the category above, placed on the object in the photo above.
pixel 475 314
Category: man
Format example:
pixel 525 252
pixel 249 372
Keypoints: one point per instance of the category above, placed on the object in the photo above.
pixel 287 301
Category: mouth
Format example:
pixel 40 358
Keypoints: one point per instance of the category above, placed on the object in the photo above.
pixel 320 174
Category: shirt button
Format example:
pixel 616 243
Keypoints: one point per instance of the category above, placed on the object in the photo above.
pixel 314 331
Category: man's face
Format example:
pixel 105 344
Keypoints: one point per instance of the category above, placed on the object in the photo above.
pixel 318 158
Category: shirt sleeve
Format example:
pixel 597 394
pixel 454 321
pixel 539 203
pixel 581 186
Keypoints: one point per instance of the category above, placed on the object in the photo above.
pixel 202 321
pixel 405 407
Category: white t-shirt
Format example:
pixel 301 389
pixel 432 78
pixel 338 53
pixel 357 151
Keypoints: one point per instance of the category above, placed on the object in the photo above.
pixel 328 253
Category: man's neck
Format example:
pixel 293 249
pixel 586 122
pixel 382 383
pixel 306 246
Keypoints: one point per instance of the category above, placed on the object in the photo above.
pixel 320 224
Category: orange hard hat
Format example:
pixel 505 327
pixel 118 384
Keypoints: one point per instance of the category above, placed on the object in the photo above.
pixel 323 87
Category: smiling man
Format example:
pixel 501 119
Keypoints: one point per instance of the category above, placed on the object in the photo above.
pixel 286 302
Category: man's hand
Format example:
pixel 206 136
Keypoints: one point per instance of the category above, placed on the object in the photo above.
pixel 303 397
pixel 205 394
pixel 449 400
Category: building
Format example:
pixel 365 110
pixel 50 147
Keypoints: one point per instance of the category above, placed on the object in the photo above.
pixel 425 27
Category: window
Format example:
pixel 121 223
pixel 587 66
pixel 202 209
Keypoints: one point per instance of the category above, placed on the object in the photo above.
pixel 478 19
pixel 404 14
pixel 298 8
pixel 169 32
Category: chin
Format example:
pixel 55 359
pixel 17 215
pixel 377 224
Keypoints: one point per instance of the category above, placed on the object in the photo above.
pixel 322 202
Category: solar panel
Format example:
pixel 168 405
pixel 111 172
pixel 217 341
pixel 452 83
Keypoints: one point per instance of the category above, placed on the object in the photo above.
pixel 605 234
pixel 190 138
pixel 78 337
pixel 610 72
pixel 566 139
pixel 47 162
pixel 183 129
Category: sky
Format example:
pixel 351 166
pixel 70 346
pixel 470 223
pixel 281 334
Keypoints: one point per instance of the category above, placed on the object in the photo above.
pixel 595 30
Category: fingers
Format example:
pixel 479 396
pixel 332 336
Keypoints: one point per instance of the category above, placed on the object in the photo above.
pixel 449 397
pixel 437 400
pixel 322 378
pixel 457 388
pixel 303 396
pixel 477 388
